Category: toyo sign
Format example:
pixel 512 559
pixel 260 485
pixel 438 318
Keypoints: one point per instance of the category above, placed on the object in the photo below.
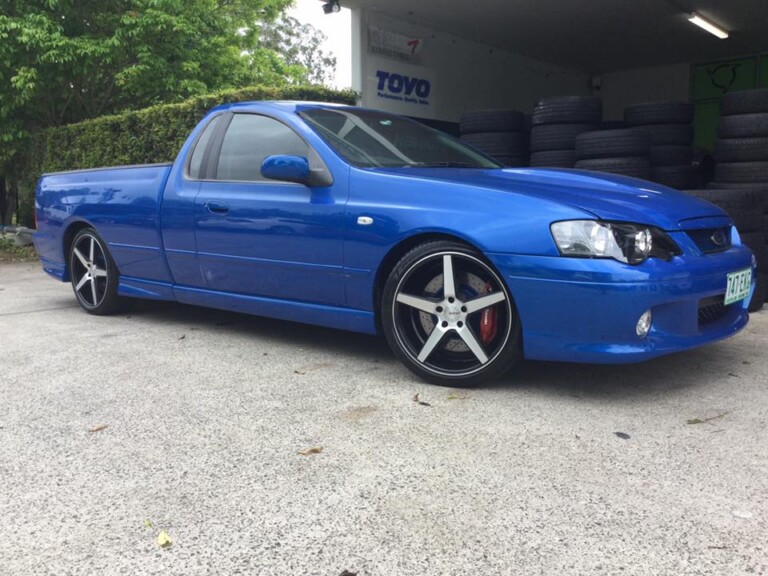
pixel 409 89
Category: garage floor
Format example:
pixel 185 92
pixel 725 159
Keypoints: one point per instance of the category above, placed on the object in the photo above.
pixel 189 421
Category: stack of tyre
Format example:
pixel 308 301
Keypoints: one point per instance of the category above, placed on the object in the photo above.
pixel 498 133
pixel 556 122
pixel 741 173
pixel 623 151
pixel 669 126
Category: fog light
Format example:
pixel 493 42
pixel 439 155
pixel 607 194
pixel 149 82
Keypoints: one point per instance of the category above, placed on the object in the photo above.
pixel 644 324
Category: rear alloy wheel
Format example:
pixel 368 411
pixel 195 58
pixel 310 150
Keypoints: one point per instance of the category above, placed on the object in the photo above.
pixel 94 274
pixel 449 316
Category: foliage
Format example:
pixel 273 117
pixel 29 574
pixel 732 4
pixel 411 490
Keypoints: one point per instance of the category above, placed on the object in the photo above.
pixel 299 46
pixel 150 135
pixel 9 252
pixel 63 61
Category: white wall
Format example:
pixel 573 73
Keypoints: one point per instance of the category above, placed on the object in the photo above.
pixel 463 74
pixel 627 87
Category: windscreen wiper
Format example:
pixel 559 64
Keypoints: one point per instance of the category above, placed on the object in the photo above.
pixel 442 165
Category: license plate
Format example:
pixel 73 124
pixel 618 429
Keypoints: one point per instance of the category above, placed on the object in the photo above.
pixel 738 286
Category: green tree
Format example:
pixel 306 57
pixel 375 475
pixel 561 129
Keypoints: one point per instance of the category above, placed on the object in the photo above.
pixel 63 61
pixel 299 46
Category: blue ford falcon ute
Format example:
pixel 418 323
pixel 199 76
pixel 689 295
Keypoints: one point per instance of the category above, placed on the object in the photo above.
pixel 361 220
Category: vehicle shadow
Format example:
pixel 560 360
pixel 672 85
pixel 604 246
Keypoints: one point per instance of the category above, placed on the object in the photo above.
pixel 658 377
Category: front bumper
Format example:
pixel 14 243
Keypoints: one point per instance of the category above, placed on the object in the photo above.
pixel 586 310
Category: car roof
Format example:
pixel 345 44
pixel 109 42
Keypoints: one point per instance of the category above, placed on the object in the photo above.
pixel 282 105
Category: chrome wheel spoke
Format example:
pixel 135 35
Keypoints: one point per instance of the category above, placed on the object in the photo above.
pixel 473 344
pixel 422 304
pixel 82 282
pixel 93 292
pixel 431 343
pixel 93 248
pixel 449 287
pixel 484 302
pixel 99 273
pixel 80 257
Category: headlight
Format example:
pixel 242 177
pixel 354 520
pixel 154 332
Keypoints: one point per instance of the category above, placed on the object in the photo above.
pixel 629 243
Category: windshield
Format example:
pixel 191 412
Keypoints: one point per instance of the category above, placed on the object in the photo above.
pixel 371 139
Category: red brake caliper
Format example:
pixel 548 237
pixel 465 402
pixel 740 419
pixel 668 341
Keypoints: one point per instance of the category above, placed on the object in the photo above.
pixel 488 320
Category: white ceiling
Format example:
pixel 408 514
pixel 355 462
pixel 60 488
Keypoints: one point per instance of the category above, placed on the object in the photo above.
pixel 594 35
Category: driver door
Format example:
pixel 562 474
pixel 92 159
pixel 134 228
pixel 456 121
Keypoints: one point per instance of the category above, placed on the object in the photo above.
pixel 267 238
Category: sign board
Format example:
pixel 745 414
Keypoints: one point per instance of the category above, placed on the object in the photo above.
pixel 400 88
pixel 393 45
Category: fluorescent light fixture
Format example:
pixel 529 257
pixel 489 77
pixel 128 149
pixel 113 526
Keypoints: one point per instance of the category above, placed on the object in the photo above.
pixel 708 26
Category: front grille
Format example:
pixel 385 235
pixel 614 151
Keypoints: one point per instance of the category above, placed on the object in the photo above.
pixel 711 239
pixel 711 309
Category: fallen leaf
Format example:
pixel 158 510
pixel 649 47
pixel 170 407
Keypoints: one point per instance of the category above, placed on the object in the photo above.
pixel 454 396
pixel 622 435
pixel 734 375
pixel 718 547
pixel 706 420
pixel 313 450
pixel 99 428
pixel 298 372
pixel 148 523
pixel 348 573
pixel 163 539
pixel 420 402
pixel 182 337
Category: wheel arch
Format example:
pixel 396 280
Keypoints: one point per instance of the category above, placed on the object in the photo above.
pixel 399 250
pixel 67 239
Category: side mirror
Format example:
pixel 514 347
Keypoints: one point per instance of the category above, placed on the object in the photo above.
pixel 286 168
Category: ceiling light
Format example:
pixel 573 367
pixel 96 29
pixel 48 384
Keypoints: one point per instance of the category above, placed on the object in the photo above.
pixel 331 7
pixel 708 26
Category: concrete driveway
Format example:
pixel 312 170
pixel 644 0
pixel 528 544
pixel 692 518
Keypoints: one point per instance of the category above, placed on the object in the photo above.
pixel 190 421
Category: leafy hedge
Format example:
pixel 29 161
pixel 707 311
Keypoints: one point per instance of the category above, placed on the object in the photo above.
pixel 138 137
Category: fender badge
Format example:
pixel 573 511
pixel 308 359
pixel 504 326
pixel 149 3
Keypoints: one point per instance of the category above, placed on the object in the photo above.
pixel 364 220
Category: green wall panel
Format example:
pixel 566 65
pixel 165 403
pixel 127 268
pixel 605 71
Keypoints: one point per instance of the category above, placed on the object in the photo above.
pixel 714 80
pixel 706 116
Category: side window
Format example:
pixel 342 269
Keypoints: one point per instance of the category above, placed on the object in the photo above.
pixel 251 138
pixel 196 161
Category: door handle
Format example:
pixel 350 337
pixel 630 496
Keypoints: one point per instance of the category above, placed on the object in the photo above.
pixel 216 207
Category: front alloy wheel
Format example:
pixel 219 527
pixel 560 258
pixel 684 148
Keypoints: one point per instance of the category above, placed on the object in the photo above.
pixel 449 317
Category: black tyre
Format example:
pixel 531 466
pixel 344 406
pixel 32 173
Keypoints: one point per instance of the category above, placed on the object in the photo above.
pixel 741 172
pixel 659 113
pixel 760 294
pixel 477 121
pixel 496 143
pixel 449 317
pixel 741 149
pixel 680 177
pixel 743 206
pixel 511 161
pixel 636 167
pixel 557 136
pixel 744 102
pixel 756 242
pixel 93 274
pixel 662 134
pixel 554 159
pixel 568 110
pixel 738 186
pixel 612 144
pixel 743 126
pixel 671 155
